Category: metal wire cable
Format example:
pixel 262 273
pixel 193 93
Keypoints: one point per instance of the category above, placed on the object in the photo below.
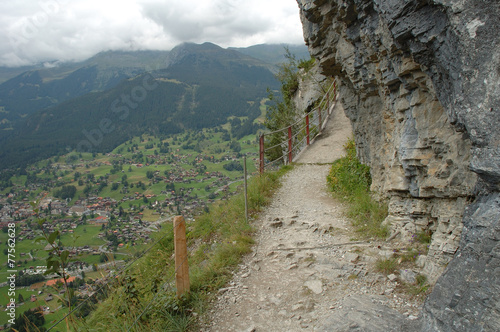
pixel 300 143
pixel 321 102
pixel 106 284
pixel 120 273
pixel 169 280
pixel 275 146
pixel 326 103
pixel 274 161
pixel 302 128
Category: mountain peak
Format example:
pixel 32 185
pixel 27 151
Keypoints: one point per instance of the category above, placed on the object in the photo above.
pixel 195 46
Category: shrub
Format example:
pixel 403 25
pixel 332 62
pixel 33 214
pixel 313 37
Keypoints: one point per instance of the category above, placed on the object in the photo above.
pixel 350 181
pixel 347 175
pixel 386 266
pixel 307 65
pixel 65 192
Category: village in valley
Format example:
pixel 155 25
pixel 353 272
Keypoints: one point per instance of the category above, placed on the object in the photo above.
pixel 109 207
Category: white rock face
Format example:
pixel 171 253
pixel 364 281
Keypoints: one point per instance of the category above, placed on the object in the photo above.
pixel 316 286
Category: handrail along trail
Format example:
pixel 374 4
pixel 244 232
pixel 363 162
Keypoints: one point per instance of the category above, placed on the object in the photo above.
pixel 297 136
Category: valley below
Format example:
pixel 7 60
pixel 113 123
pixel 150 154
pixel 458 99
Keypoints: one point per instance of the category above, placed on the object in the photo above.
pixel 109 207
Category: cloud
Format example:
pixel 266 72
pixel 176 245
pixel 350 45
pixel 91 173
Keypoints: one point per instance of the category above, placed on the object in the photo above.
pixel 69 30
pixel 221 20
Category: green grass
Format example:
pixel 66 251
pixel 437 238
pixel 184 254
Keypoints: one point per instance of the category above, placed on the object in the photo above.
pixel 423 237
pixel 386 266
pixel 421 284
pixel 83 235
pixel 418 289
pixel 394 264
pixel 350 182
pixel 216 241
pixel 410 255
pixel 26 293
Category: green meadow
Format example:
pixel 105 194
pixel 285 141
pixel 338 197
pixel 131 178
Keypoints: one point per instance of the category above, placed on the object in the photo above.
pixel 139 167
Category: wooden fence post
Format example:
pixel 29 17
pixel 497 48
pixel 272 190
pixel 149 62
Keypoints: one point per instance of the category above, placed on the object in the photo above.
pixel 290 145
pixel 246 186
pixel 328 103
pixel 307 128
pixel 181 263
pixel 261 153
pixel 319 119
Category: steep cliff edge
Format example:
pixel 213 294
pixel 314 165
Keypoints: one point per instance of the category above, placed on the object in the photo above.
pixel 419 81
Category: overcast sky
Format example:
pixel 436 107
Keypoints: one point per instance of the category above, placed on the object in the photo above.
pixel 34 31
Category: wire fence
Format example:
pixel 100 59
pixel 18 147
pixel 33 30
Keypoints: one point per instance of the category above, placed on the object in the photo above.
pixel 106 284
pixel 283 145
pixel 293 139
pixel 166 286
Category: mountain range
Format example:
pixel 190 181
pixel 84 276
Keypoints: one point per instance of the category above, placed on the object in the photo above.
pixel 97 104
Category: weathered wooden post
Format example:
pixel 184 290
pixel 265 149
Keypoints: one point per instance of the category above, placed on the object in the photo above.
pixel 246 186
pixel 328 103
pixel 319 119
pixel 307 128
pixel 181 263
pixel 289 144
pixel 261 153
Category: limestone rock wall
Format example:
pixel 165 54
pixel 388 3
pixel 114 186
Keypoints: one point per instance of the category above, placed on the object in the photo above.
pixel 312 86
pixel 419 80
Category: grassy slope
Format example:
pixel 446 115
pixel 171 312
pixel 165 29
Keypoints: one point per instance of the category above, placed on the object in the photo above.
pixel 217 242
pixel 214 146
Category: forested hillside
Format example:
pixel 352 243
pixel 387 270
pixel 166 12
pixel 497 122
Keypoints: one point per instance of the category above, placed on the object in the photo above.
pixel 200 87
pixel 38 89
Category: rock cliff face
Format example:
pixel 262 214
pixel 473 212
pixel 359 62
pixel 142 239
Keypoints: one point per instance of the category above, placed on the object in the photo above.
pixel 419 80
pixel 312 86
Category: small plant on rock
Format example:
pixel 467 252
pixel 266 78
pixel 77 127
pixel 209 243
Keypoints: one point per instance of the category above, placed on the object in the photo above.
pixel 421 286
pixel 424 237
pixel 386 266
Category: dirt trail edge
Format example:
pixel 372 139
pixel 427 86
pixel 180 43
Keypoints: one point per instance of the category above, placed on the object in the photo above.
pixel 307 272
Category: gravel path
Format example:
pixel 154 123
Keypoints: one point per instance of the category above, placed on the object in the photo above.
pixel 306 273
pixel 328 146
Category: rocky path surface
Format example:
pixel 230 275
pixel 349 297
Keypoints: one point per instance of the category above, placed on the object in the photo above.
pixel 306 272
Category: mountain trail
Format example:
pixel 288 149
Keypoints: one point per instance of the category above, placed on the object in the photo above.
pixel 307 272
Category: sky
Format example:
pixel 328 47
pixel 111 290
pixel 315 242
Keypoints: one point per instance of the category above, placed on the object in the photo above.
pixel 38 31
